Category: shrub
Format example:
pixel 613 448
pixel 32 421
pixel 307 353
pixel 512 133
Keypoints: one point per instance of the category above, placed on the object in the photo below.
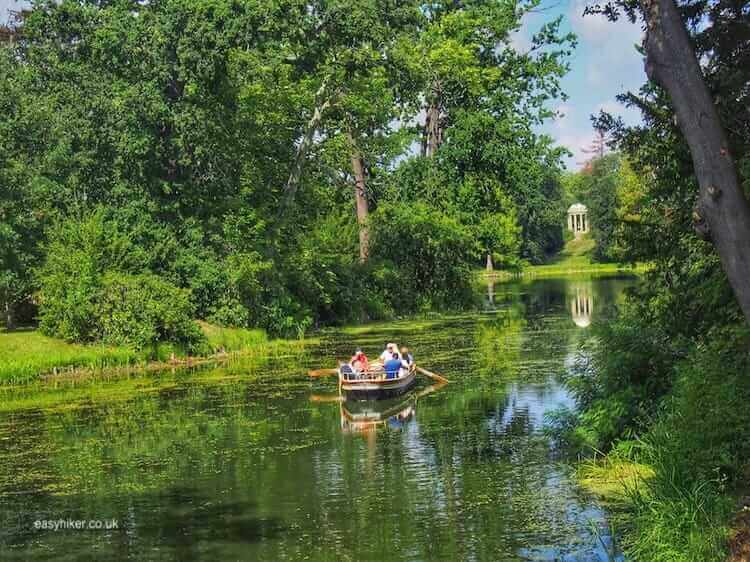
pixel 78 253
pixel 141 310
pixel 431 254
pixel 92 289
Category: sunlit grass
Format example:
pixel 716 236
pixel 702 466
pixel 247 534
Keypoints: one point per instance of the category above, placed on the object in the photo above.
pixel 232 339
pixel 613 478
pixel 575 258
pixel 27 355
pixel 659 518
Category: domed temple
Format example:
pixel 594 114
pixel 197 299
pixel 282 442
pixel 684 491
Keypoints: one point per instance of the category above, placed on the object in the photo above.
pixel 578 219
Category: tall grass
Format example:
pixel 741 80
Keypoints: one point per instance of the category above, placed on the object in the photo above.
pixel 25 355
pixel 660 518
pixel 696 451
pixel 233 339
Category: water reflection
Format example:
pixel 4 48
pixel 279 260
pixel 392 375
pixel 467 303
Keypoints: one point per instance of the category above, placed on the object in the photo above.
pixel 365 416
pixel 242 463
pixel 581 302
pixel 358 419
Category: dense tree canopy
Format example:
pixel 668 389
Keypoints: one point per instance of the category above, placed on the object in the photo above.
pixel 230 143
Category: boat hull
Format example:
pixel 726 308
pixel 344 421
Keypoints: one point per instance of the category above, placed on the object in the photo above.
pixel 370 388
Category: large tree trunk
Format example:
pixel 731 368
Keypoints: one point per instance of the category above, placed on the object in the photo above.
pixel 360 196
pixel 432 134
pixel 306 142
pixel 722 213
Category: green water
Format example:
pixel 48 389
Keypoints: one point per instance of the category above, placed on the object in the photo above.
pixel 256 462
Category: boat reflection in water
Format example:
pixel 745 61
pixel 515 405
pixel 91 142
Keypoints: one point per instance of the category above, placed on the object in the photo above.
pixel 364 417
pixel 367 416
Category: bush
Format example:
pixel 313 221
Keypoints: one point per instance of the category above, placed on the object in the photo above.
pixel 698 449
pixel 141 310
pixel 424 259
pixel 78 254
pixel 92 289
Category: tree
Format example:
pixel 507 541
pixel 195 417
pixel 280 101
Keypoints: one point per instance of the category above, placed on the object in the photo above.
pixel 722 212
pixel 599 187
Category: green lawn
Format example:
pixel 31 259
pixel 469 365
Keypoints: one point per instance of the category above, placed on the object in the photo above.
pixel 575 257
pixel 25 355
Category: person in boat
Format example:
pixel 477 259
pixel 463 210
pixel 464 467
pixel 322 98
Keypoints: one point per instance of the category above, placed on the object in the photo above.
pixel 392 367
pixel 406 361
pixel 359 361
pixel 388 352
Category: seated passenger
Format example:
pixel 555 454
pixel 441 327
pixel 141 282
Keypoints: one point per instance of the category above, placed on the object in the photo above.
pixel 406 361
pixel 359 361
pixel 406 356
pixel 392 367
pixel 348 372
pixel 388 352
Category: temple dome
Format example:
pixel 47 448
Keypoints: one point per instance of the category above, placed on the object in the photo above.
pixel 577 208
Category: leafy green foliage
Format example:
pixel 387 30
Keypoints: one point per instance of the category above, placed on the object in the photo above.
pixel 90 290
pixel 672 371
pixel 141 310
pixel 428 258
pixel 175 127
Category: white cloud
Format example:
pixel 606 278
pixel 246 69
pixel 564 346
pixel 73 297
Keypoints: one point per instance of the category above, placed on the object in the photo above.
pixel 594 76
pixel 576 143
pixel 596 29
pixel 628 114
pixel 520 40
pixel 7 5
pixel 614 41
pixel 562 119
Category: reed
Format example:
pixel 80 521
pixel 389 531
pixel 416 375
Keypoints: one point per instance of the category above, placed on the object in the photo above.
pixel 27 355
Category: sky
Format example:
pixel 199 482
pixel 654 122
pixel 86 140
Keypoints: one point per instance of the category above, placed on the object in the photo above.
pixel 605 63
pixel 6 5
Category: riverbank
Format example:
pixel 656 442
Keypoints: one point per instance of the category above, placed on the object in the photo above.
pixel 678 478
pixel 26 355
pixel 675 522
pixel 574 259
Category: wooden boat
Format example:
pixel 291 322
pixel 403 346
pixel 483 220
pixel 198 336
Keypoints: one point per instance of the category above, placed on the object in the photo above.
pixel 374 384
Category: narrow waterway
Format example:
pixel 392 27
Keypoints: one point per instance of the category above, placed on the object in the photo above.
pixel 256 462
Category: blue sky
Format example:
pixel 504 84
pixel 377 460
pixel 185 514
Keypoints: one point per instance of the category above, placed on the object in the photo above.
pixel 6 5
pixel 605 64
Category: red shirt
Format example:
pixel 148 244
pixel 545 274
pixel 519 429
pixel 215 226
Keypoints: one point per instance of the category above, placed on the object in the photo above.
pixel 362 358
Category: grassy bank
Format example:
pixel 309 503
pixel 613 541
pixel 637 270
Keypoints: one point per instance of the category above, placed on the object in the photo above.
pixel 656 515
pixel 575 258
pixel 27 355
pixel 678 458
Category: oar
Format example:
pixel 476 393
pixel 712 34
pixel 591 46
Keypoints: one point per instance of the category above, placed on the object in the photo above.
pixel 432 375
pixel 322 372
pixel 430 389
pixel 326 398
